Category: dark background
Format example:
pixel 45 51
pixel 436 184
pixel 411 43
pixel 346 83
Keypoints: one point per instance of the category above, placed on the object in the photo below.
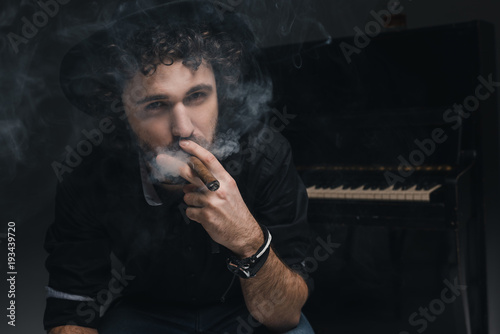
pixel 37 122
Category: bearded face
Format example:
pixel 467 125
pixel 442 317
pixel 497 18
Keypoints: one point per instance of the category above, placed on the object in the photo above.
pixel 175 102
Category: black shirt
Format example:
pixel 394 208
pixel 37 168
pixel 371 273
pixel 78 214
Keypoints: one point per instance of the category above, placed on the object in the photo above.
pixel 101 209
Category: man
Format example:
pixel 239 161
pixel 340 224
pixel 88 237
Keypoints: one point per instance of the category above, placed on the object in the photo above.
pixel 185 79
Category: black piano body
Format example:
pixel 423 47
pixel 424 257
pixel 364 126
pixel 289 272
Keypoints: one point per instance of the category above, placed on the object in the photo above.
pixel 401 134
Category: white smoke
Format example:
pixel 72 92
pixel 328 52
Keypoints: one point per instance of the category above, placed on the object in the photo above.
pixel 167 163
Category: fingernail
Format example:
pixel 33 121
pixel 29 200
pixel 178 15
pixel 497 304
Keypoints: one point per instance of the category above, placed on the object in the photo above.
pixel 184 142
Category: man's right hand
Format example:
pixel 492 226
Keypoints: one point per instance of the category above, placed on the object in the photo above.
pixel 72 330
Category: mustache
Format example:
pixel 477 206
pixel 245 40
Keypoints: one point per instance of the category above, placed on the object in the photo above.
pixel 149 151
pixel 175 146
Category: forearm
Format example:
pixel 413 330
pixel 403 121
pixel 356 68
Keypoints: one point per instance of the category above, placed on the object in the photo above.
pixel 72 330
pixel 275 296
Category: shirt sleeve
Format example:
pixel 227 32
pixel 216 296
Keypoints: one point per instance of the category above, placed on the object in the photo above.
pixel 79 262
pixel 282 206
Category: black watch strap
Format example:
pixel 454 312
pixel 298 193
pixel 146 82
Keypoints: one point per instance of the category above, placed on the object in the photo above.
pixel 248 267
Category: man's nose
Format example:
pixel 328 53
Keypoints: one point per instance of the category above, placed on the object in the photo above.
pixel 181 124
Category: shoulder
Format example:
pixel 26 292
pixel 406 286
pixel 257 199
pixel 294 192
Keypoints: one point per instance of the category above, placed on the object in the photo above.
pixel 100 169
pixel 264 159
pixel 268 143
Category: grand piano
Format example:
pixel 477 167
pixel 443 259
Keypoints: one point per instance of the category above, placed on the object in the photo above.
pixel 397 137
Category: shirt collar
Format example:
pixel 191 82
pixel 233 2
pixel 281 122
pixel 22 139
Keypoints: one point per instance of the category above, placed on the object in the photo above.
pixel 149 191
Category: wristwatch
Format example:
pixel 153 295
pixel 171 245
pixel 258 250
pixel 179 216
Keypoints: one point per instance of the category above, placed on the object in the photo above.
pixel 248 267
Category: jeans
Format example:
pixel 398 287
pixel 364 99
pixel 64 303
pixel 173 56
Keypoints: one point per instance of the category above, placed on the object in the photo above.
pixel 129 318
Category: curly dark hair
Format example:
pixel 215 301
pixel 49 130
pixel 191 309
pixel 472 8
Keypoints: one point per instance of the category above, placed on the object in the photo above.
pixel 150 47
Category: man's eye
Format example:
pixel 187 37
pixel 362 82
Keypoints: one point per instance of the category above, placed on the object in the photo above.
pixel 154 105
pixel 196 96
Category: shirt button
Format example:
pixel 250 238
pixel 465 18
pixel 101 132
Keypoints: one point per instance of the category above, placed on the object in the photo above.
pixel 190 249
pixel 192 276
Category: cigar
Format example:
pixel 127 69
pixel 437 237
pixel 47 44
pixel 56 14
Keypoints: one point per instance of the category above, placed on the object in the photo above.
pixel 203 173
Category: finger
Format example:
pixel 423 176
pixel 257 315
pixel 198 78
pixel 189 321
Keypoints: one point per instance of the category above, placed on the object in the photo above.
pixel 188 174
pixel 189 188
pixel 194 214
pixel 195 199
pixel 208 159
pixel 176 166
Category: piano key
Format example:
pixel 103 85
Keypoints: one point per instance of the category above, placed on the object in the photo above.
pixel 384 186
pixel 319 192
pixel 410 193
pixel 361 192
pixel 335 193
pixel 428 193
pixel 354 193
pixel 429 185
pixel 380 195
